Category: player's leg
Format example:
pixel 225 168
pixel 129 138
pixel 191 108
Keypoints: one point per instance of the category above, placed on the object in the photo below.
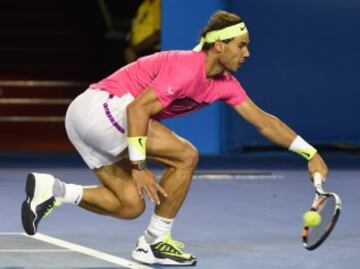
pixel 177 155
pixel 117 197
pixel 179 158
pixel 91 128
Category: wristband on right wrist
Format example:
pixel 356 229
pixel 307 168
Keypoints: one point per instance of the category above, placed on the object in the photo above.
pixel 137 148
pixel 303 148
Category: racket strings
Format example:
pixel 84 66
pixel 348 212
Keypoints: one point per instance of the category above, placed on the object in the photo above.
pixel 326 207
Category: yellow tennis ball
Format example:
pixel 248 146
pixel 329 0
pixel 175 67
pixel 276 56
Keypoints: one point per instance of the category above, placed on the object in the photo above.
pixel 312 218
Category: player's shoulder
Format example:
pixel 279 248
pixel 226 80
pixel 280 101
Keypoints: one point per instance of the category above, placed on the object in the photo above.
pixel 182 55
pixel 174 55
pixel 184 60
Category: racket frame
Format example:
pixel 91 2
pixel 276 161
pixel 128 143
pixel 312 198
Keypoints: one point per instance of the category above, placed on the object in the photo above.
pixel 320 197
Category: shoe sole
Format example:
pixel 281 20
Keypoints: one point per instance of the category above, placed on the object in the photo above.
pixel 163 262
pixel 27 215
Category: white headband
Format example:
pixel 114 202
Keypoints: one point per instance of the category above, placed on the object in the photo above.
pixel 222 34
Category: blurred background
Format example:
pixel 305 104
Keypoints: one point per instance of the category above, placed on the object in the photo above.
pixel 303 68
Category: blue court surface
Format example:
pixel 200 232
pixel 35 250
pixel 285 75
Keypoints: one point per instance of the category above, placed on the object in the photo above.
pixel 235 216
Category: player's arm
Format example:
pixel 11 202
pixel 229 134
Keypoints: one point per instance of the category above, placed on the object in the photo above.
pixel 268 125
pixel 279 133
pixel 139 113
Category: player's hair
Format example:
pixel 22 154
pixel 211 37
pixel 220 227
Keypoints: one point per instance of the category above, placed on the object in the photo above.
pixel 219 20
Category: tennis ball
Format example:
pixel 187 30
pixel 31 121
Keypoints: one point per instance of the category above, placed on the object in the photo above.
pixel 312 218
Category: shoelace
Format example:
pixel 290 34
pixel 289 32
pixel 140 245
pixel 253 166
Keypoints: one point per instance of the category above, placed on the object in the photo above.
pixel 50 208
pixel 177 244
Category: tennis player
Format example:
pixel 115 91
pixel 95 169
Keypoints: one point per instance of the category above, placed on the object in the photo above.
pixel 115 126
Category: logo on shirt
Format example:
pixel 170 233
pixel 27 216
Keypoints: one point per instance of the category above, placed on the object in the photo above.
pixel 170 91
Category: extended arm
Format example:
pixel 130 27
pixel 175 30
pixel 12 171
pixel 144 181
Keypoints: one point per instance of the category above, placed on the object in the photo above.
pixel 277 132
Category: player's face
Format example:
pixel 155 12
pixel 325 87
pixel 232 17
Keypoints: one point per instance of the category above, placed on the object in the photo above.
pixel 235 53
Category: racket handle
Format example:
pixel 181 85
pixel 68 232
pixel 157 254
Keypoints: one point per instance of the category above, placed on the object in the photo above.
pixel 318 180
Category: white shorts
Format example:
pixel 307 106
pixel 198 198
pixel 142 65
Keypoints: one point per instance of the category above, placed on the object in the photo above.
pixel 96 125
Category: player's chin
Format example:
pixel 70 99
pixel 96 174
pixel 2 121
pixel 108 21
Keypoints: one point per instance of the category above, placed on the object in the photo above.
pixel 234 68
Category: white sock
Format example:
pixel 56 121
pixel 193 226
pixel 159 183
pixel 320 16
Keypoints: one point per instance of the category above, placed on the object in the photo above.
pixel 73 194
pixel 157 229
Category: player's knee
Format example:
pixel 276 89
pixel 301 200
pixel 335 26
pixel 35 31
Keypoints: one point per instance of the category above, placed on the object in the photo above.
pixel 130 209
pixel 112 205
pixel 135 210
pixel 190 157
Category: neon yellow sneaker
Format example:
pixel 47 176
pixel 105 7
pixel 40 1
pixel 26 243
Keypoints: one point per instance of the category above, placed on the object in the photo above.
pixel 166 252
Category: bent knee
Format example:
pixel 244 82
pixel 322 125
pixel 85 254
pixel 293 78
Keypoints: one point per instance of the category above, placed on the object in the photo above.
pixel 130 209
pixel 190 156
pixel 135 211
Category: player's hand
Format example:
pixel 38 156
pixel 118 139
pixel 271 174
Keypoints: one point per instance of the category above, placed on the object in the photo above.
pixel 317 164
pixel 145 182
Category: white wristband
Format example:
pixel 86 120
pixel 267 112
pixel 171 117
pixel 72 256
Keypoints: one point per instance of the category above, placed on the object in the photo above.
pixel 136 147
pixel 303 148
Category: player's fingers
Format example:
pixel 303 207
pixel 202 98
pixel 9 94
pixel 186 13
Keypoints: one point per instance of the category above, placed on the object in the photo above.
pixel 148 193
pixel 161 190
pixel 139 190
pixel 154 194
pixel 318 178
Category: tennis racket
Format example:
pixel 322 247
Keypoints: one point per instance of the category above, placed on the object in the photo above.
pixel 328 205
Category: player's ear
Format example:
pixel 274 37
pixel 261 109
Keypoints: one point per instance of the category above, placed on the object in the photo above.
pixel 219 46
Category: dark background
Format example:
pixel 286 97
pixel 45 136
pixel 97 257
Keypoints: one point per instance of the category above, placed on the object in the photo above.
pixel 50 50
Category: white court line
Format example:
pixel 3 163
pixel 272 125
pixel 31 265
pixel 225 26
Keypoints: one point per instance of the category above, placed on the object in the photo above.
pixel 224 176
pixel 34 250
pixel 88 251
pixel 11 233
